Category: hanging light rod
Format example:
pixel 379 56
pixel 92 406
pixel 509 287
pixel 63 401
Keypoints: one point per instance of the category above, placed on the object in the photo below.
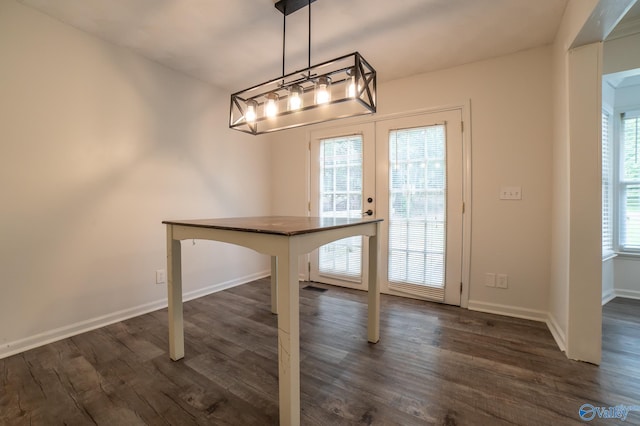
pixel 340 88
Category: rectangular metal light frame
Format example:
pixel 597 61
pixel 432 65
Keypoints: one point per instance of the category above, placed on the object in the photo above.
pixel 341 71
pixel 287 7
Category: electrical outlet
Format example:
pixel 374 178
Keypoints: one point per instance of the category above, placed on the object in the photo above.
pixel 503 281
pixel 161 276
pixel 490 279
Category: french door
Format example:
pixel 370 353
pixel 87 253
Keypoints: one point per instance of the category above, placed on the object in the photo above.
pixel 415 164
pixel 343 185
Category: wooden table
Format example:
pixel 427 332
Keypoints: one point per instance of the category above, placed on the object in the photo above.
pixel 284 238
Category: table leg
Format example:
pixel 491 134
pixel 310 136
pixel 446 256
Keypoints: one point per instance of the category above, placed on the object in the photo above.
pixel 373 324
pixel 274 286
pixel 288 339
pixel 174 286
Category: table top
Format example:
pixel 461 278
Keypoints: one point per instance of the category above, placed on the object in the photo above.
pixel 279 225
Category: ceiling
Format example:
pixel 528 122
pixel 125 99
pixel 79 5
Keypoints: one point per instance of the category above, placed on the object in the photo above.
pixel 234 44
pixel 633 13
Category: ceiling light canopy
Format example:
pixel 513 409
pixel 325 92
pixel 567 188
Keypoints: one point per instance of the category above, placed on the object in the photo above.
pixel 339 88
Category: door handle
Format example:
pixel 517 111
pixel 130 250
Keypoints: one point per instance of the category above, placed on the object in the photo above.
pixel 368 213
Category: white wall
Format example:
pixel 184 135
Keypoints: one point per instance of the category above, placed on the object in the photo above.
pixel 608 279
pixel 561 320
pixel 627 277
pixel 621 54
pixel 627 268
pixel 608 102
pixel 585 204
pixel 627 97
pixel 97 147
pixel 608 96
pixel 511 143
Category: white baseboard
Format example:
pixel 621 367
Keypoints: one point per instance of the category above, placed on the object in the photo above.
pixel 50 336
pixel 556 332
pixel 509 311
pixel 608 296
pixel 194 294
pixel 524 313
pixel 628 294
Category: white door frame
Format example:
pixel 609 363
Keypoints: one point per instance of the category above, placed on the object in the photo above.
pixel 465 108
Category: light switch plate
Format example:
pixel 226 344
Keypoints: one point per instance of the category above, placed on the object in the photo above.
pixel 511 193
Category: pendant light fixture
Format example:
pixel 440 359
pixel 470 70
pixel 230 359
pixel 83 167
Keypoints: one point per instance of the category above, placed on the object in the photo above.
pixel 339 88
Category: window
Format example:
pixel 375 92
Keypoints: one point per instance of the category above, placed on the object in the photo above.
pixel 607 187
pixel 417 205
pixel 629 182
pixel 341 196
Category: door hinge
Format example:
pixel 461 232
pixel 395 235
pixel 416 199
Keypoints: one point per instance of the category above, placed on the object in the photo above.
pixel 463 207
pixel 462 126
pixel 460 288
pixel 309 269
pixel 309 206
pixel 309 145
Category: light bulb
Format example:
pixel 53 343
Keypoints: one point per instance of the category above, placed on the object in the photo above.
pixel 323 93
pixel 351 88
pixel 295 97
pixel 251 115
pixel 271 106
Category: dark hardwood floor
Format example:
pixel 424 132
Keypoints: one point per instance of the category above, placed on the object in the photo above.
pixel 434 364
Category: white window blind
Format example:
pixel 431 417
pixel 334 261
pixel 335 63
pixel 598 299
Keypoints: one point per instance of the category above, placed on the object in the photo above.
pixel 417 205
pixel 607 186
pixel 630 182
pixel 341 196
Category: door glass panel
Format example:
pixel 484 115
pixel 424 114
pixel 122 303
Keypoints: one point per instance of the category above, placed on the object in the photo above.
pixel 417 206
pixel 341 196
